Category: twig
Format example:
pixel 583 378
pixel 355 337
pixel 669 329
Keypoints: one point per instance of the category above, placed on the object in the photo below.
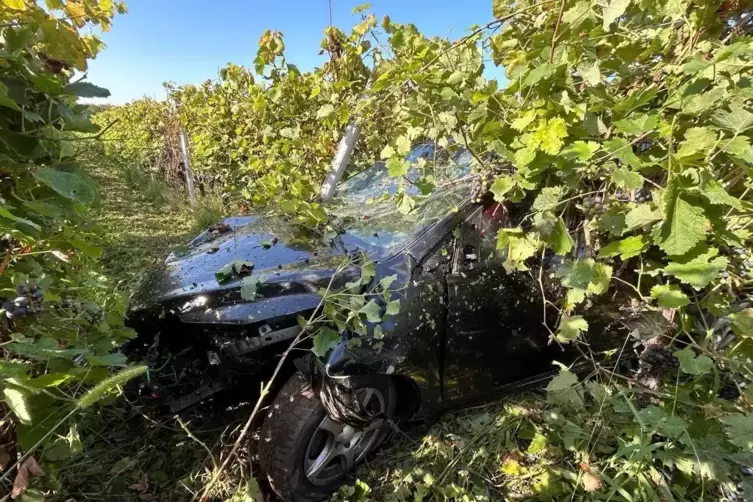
pixel 190 434
pixel 556 28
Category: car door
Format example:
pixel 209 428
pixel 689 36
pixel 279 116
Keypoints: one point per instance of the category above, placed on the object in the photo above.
pixel 495 334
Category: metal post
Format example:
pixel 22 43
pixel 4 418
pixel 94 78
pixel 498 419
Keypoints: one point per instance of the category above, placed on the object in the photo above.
pixel 187 166
pixel 344 151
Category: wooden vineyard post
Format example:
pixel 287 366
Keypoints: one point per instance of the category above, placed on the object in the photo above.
pixel 187 166
pixel 344 151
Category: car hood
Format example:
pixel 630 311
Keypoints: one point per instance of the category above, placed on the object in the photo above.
pixel 284 257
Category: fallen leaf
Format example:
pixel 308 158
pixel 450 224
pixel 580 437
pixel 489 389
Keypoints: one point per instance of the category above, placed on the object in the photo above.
pixel 591 481
pixel 142 485
pixel 21 483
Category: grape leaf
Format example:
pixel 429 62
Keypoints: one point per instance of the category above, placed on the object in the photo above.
pixel 700 270
pixel 69 185
pixel 393 307
pixel 626 248
pixel 737 120
pixel 684 224
pixel 638 125
pixel 739 147
pixel 692 364
pixel 397 167
pixel 547 199
pixel 716 194
pixel 570 328
pixel 640 216
pixel 522 122
pixel 702 102
pixel 372 311
pixel 235 267
pixel 590 73
pixel 739 429
pixel 611 10
pixel 742 322
pixel 669 297
pixel 621 149
pixel 249 286
pixel 86 90
pixel 387 152
pixel 325 340
pixel 580 150
pixel 327 110
pixel 500 187
pixel 559 239
pixel 627 179
pixel 697 140
pixel 563 390
pixel 403 145
pixel 548 135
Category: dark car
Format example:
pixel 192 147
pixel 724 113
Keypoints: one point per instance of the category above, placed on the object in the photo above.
pixel 467 328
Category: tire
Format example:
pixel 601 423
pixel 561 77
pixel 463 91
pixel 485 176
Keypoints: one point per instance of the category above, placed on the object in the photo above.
pixel 297 426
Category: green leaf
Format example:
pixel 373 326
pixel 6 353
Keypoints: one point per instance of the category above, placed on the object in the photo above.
pixel 15 398
pixel 234 268
pixel 539 73
pixel 638 125
pixel 739 430
pixel 716 194
pixel 455 77
pixel 405 204
pixel 372 311
pixel 387 152
pixel 325 340
pixel 742 322
pixel 702 102
pixel 640 216
pixel 397 167
pixel 559 239
pixel 4 213
pixel 386 282
pixel 86 90
pixel 613 221
pixel 684 224
pixel 393 307
pixel 692 364
pixel 548 135
pixel 69 185
pixel 6 100
pixel 326 111
pixel 626 179
pixel 82 245
pixel 698 271
pixel 739 147
pixel 538 444
pixel 621 149
pixel 547 199
pixel 580 150
pixel 403 145
pixel 669 297
pixel 501 186
pixel 611 10
pixel 737 120
pixel 522 122
pixel 563 390
pixel 15 4
pixel 23 144
pixel 626 248
pixel 697 140
pixel 583 278
pixel 519 246
pixel 570 328
pixel 249 285
pixel 590 73
pixel 577 13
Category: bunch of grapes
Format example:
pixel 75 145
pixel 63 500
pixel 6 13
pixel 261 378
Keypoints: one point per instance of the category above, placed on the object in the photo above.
pixel 744 265
pixel 659 358
pixel 642 195
pixel 729 391
pixel 28 302
pixel 592 206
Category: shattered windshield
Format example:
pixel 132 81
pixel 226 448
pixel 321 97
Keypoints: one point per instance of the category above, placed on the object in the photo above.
pixel 371 205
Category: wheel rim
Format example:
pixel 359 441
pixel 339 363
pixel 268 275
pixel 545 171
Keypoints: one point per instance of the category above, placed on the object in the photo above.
pixel 335 448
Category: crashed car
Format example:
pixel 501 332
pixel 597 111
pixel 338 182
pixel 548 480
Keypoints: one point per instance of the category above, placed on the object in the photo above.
pixel 467 329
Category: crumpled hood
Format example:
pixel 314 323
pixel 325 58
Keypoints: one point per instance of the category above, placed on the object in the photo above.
pixel 281 252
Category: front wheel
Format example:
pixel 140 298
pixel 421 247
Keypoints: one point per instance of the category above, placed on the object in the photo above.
pixel 307 455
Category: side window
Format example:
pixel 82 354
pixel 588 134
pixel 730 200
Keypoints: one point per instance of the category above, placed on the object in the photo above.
pixel 488 223
pixel 478 241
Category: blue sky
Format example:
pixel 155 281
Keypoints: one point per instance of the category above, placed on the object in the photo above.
pixel 188 41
